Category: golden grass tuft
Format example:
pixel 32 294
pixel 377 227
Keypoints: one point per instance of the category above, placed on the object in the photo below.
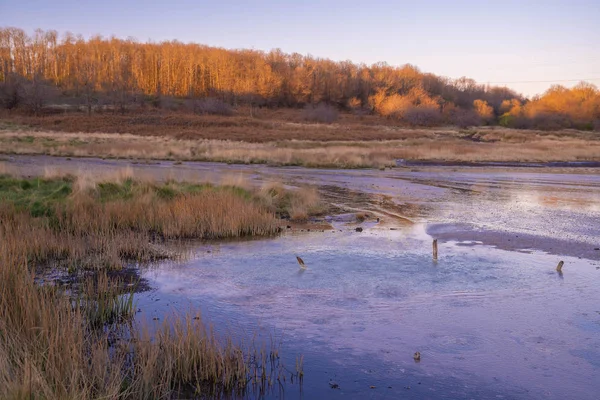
pixel 235 180
pixel 71 344
pixel 297 204
pixel 52 173
pixel 361 216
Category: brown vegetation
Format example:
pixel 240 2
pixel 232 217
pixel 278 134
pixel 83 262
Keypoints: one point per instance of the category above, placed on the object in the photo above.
pixel 106 224
pixel 439 144
pixel 321 113
pixel 297 205
pixel 58 344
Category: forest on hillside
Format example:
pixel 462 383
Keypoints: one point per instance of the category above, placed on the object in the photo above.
pixel 45 70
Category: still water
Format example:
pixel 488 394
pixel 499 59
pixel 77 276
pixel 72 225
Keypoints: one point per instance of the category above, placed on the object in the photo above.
pixel 489 323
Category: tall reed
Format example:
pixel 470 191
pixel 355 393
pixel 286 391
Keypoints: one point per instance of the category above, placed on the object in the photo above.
pixel 71 343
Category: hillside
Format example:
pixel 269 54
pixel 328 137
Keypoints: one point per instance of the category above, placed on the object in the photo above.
pixel 98 74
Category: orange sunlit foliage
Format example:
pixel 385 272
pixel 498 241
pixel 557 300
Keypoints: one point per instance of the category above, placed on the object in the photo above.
pixel 579 104
pixel 121 72
pixel 558 107
pixel 191 70
pixel 485 112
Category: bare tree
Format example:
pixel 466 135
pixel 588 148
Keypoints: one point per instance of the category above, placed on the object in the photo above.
pixel 36 94
pixel 11 92
pixel 464 118
pixel 88 82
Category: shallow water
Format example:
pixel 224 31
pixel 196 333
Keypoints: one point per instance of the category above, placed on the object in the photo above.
pixel 487 322
pixel 492 318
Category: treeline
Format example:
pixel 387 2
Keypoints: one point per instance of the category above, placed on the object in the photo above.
pixel 116 74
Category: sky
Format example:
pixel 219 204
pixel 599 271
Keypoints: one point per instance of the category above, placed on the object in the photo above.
pixel 527 45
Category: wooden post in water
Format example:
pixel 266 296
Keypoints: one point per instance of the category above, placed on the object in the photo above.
pixel 435 249
pixel 559 267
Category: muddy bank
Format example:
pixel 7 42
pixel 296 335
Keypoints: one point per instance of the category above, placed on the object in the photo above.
pixel 505 164
pixel 468 235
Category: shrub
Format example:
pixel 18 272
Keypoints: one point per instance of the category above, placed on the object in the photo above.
pixel 550 122
pixel 514 121
pixel 36 94
pixel 464 118
pixel 210 106
pixel 422 116
pixel 354 103
pixel 10 93
pixel 506 120
pixel 165 102
pixel 323 113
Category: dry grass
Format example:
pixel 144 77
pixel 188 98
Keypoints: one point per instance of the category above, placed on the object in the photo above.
pixel 270 126
pixel 296 205
pixel 361 216
pixel 44 350
pixel 103 225
pixel 57 344
pixel 351 143
pixel 53 349
pixel 187 352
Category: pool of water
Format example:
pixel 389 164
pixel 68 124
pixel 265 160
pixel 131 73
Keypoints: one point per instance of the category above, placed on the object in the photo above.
pixel 487 322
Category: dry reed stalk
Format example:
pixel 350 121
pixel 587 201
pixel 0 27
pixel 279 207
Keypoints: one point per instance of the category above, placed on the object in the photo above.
pixel 54 347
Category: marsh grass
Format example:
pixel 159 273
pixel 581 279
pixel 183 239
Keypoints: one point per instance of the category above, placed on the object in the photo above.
pixel 102 225
pixel 106 301
pixel 37 195
pixel 54 348
pixel 78 342
pixel 284 138
pixel 297 205
pixel 187 356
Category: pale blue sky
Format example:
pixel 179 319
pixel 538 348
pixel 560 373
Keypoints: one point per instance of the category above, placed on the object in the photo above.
pixel 500 41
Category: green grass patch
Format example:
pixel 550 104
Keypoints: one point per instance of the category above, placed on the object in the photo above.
pixel 37 195
pixel 239 191
pixel 11 126
pixel 40 196
pixel 128 189
pixel 77 142
pixel 111 191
